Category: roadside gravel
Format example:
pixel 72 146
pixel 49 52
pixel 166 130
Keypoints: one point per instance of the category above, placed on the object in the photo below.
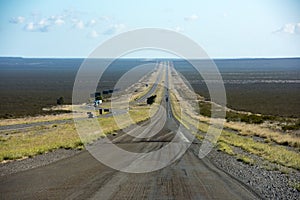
pixel 269 184
pixel 37 161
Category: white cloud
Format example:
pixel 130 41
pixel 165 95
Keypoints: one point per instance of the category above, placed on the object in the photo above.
pixel 115 28
pixel 193 17
pixel 290 28
pixel 17 20
pixel 55 20
pixel 79 24
pixel 297 28
pixel 59 22
pixel 43 22
pixel 178 29
pixel 93 34
pixel 42 26
pixel 30 27
pixel 71 19
pixel 92 22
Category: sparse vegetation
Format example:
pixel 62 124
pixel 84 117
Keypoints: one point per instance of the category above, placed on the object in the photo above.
pixel 267 151
pixel 291 126
pixel 60 101
pixel 245 159
pixel 41 139
pixel 145 88
pixel 250 127
pixel 267 134
pixel 205 110
pixel 33 142
pixel 141 93
pixel 229 150
pixel 225 148
pixel 247 118
pixel 297 186
pixel 57 112
pixel 272 153
pixel 44 118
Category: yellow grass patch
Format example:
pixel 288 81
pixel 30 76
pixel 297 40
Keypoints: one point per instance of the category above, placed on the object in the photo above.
pixel 40 139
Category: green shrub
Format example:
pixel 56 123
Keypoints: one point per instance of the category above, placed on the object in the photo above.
pixel 225 148
pixel 295 126
pixel 60 101
pixel 205 109
pixel 245 159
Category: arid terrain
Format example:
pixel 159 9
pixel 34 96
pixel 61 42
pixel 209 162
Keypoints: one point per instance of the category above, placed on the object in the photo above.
pixel 250 160
pixel 266 86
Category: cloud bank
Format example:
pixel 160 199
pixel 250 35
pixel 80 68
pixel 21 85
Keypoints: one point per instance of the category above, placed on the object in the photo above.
pixel 17 20
pixel 114 28
pixel 290 28
pixel 69 19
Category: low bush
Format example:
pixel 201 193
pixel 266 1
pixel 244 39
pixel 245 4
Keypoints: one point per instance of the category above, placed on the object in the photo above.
pixel 294 126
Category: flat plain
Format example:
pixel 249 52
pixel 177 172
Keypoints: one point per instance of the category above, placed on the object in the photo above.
pixel 267 86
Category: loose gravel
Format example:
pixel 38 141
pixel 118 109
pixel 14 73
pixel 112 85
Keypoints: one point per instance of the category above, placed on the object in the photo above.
pixel 36 161
pixel 268 184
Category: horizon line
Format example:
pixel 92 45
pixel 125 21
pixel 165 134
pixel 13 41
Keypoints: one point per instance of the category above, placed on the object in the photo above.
pixel 153 58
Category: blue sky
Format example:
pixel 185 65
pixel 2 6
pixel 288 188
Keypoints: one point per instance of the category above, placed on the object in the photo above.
pixel 223 28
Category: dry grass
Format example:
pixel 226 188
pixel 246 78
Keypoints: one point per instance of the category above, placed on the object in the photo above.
pixel 141 92
pixel 273 153
pixel 245 159
pixel 245 129
pixel 296 186
pixel 225 148
pixel 46 118
pixel 275 136
pixel 270 152
pixel 59 107
pixel 142 89
pixel 28 120
pixel 40 139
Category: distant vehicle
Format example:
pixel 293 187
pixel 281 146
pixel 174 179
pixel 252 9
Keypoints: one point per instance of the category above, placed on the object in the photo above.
pixel 97 103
